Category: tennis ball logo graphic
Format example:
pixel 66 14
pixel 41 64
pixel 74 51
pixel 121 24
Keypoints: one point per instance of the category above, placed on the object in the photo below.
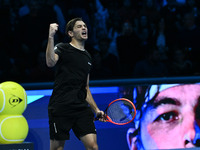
pixel 13 129
pixel 13 98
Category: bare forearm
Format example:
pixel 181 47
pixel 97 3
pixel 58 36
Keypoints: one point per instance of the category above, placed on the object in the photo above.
pixel 99 113
pixel 50 55
pixel 91 101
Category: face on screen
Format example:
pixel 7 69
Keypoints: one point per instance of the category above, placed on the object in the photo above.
pixel 171 120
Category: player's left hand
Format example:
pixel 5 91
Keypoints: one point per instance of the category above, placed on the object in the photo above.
pixel 101 116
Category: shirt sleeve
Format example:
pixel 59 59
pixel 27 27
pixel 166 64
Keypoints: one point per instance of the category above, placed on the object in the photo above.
pixel 58 49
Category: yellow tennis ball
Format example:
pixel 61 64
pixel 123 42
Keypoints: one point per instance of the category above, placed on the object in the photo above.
pixel 13 98
pixel 13 129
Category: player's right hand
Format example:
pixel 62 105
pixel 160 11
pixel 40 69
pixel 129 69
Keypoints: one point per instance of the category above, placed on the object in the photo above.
pixel 53 28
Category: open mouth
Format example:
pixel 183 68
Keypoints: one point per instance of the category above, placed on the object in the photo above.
pixel 84 33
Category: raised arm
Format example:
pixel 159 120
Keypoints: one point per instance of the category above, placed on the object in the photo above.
pixel 51 56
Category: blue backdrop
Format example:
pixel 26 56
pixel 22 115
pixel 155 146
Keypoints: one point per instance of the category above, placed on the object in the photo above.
pixel 109 136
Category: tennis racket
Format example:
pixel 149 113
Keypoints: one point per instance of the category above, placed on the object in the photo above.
pixel 120 112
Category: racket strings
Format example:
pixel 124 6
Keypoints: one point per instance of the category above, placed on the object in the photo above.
pixel 121 111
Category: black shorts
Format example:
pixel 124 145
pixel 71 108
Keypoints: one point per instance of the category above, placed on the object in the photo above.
pixel 81 125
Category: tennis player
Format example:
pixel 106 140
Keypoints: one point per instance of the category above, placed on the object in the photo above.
pixel 71 105
pixel 168 117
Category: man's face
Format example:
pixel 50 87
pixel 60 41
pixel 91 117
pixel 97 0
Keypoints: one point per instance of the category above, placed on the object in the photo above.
pixel 80 31
pixel 169 121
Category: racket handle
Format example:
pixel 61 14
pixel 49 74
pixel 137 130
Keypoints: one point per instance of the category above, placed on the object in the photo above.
pixel 97 117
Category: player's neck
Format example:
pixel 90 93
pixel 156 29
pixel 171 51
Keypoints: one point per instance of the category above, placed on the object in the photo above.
pixel 78 45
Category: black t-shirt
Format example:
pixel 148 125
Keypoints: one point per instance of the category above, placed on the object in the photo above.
pixel 69 90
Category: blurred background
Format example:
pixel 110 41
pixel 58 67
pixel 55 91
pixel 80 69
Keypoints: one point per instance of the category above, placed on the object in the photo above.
pixel 127 38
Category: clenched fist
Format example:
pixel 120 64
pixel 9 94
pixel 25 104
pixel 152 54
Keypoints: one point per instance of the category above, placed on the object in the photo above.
pixel 53 29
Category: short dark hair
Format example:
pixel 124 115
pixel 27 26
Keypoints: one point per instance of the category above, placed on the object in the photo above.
pixel 71 23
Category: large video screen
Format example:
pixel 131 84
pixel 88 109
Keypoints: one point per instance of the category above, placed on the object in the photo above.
pixel 168 117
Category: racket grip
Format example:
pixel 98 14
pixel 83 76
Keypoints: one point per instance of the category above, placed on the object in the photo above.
pixel 97 117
